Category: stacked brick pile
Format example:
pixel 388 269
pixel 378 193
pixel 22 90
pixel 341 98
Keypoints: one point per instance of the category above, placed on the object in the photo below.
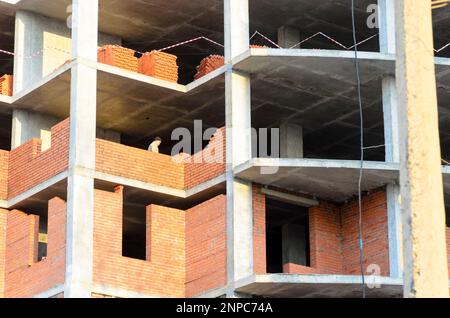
pixel 208 65
pixel 213 62
pixel 6 85
pixel 160 65
pixel 118 56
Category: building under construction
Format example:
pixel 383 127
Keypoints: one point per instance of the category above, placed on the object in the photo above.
pixel 86 210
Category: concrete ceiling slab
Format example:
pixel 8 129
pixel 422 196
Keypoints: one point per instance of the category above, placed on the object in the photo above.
pixel 334 180
pixel 317 286
pixel 135 20
pixel 134 104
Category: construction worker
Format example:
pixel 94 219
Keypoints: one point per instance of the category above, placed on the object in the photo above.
pixel 154 146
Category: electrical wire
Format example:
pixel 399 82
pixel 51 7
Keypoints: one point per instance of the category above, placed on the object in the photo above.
pixel 358 80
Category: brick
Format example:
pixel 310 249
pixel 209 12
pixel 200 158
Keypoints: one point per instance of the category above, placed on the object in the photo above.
pixel 118 56
pixel 6 85
pixel 159 65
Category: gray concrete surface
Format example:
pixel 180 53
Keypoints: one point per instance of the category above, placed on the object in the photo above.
pixel 334 180
pixel 317 286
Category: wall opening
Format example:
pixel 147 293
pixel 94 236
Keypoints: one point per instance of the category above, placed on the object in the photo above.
pixel 287 241
pixel 134 230
pixel 43 237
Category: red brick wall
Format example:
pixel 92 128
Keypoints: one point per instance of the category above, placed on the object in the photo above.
pixel 118 56
pixel 6 85
pixel 163 274
pixel 24 276
pixel 4 161
pixel 333 234
pixel 259 231
pixel 28 166
pixel 325 239
pixel 138 164
pixel 3 223
pixel 207 164
pixel 375 234
pixel 159 65
pixel 206 246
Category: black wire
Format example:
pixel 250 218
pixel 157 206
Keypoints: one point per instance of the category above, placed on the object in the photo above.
pixel 361 115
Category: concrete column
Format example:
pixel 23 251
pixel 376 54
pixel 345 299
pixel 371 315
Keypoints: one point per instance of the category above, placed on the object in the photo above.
pixel 423 212
pixel 291 141
pixel 394 231
pixel 28 125
pixel 386 11
pixel 294 244
pixel 80 196
pixel 386 20
pixel 239 147
pixel 41 45
pixel 288 36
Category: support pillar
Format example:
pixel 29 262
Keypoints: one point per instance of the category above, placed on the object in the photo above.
pixel 423 212
pixel 239 147
pixel 386 10
pixel 291 141
pixel 80 196
pixel 288 36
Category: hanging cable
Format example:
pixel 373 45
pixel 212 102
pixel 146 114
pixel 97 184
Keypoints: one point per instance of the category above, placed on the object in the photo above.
pixel 358 80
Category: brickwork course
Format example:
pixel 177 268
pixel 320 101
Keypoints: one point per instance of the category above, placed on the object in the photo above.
pixel 160 220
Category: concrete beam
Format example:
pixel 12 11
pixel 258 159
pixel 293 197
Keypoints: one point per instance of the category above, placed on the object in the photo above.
pixel 80 196
pixel 423 210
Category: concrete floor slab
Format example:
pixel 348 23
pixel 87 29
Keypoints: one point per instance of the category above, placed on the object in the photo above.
pixel 318 286
pixel 334 180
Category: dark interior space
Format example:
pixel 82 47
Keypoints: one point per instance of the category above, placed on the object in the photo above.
pixel 43 237
pixel 5 131
pixel 7 24
pixel 134 230
pixel 287 235
pixel 311 17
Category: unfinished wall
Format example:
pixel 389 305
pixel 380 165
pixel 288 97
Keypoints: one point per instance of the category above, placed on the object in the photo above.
pixel 29 166
pixel 3 227
pixel 206 246
pixel 375 234
pixel 4 162
pixel 138 164
pixel 325 240
pixel 207 164
pixel 333 235
pixel 163 273
pixel 259 231
pixel 24 276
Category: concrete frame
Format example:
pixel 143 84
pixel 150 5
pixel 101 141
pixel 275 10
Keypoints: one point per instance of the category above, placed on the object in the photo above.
pixel 80 192
pixel 238 91
pixel 239 149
